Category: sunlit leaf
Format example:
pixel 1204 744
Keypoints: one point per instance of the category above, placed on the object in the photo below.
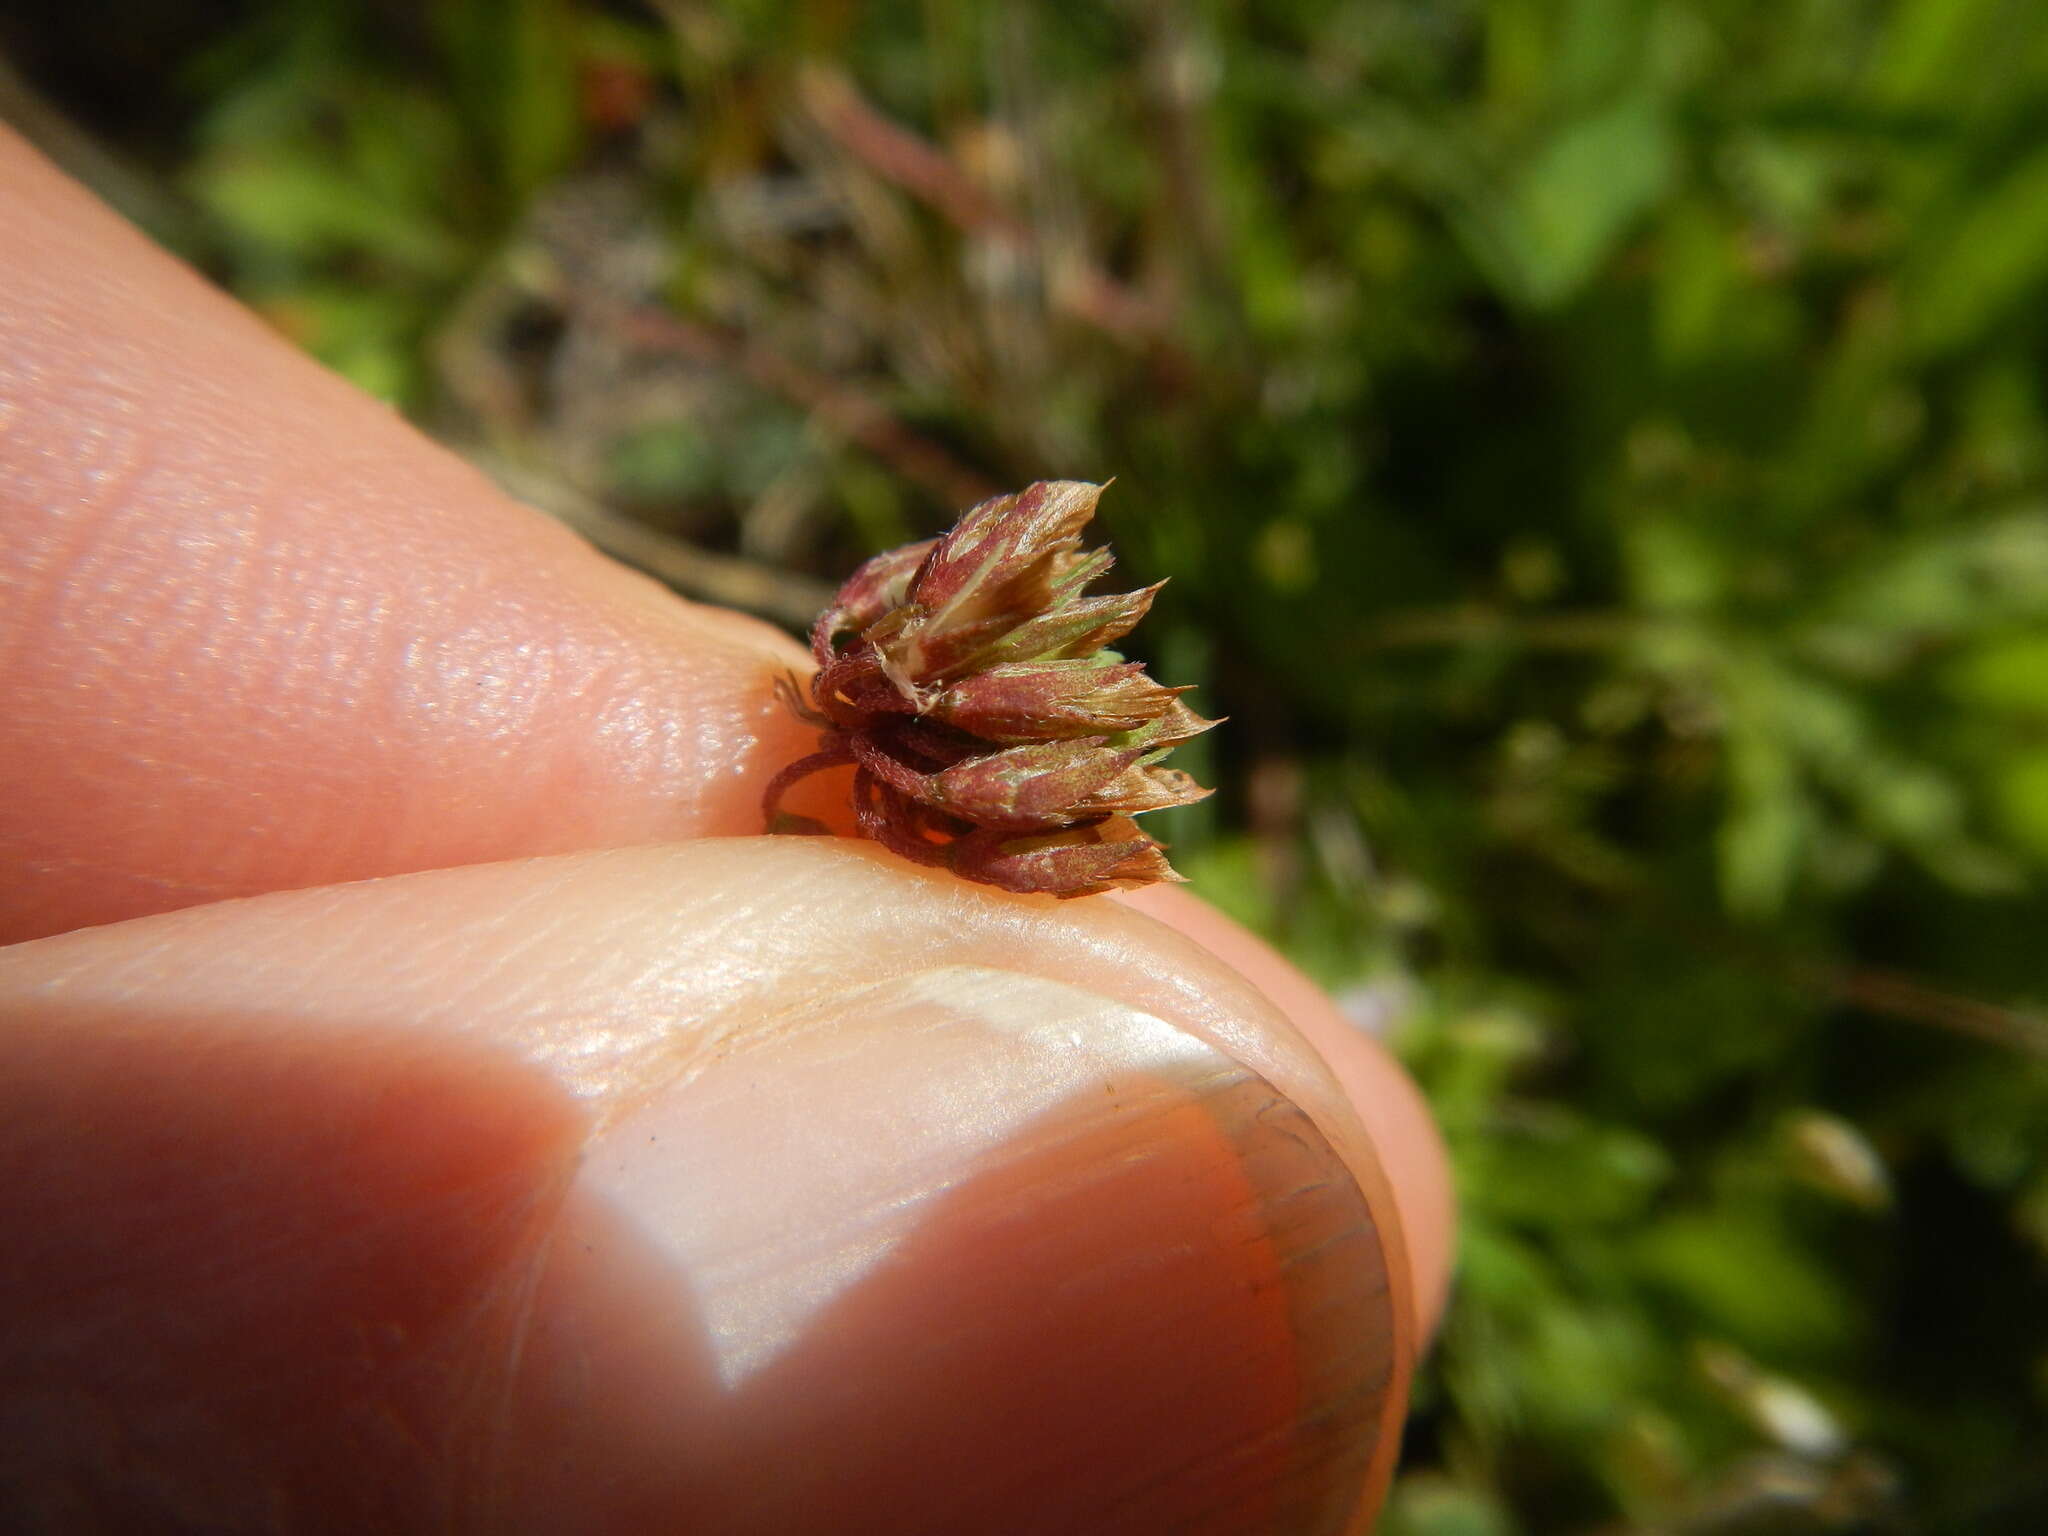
pixel 1583 193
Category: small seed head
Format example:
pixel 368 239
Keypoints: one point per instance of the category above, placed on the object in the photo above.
pixel 992 734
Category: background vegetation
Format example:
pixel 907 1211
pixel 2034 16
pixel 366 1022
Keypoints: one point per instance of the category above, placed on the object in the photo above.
pixel 1601 453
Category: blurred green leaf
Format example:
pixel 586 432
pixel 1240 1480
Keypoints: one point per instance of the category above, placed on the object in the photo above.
pixel 1435 1506
pixel 1991 258
pixel 515 66
pixel 2007 674
pixel 298 203
pixel 1585 191
pixel 1744 1276
pixel 1927 46
pixel 1763 836
pixel 1697 280
pixel 1551 1168
pixel 2021 789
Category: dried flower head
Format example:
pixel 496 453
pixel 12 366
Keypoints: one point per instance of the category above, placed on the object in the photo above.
pixel 966 679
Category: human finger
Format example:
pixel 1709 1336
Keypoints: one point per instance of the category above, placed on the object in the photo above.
pixel 255 632
pixel 767 1185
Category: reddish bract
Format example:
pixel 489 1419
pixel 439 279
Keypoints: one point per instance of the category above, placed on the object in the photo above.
pixel 990 732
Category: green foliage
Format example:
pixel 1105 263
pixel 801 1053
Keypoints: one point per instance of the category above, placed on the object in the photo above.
pixel 1601 454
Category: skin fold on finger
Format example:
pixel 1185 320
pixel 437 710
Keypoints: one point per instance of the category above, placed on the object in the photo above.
pixel 257 633
pixel 1128 1261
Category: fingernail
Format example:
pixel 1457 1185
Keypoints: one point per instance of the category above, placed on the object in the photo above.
pixel 968 1249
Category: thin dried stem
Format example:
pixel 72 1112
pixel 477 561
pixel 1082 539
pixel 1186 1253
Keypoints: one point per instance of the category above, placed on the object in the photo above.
pixel 854 415
pixel 834 752
pixel 914 164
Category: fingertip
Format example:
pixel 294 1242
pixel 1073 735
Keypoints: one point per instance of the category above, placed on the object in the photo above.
pixel 1404 1134
pixel 967 1247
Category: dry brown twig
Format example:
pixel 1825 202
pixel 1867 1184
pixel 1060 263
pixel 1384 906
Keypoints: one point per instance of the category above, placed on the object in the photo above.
pixel 914 164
